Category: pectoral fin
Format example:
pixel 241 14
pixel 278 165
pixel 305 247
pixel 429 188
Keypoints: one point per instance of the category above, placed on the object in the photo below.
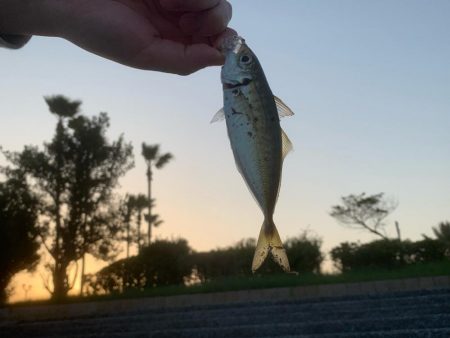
pixel 219 116
pixel 283 109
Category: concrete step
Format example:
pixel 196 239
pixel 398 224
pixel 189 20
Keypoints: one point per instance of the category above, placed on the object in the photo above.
pixel 206 319
pixel 425 313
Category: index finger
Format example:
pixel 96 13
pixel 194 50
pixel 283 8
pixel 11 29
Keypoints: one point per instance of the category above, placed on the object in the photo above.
pixel 172 57
pixel 188 5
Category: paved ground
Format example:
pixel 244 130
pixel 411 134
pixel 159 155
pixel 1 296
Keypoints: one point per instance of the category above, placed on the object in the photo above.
pixel 420 313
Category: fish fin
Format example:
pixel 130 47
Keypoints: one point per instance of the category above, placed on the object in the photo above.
pixel 283 109
pixel 219 116
pixel 286 144
pixel 269 241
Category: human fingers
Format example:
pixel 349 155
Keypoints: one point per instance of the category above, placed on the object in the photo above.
pixel 218 40
pixel 188 5
pixel 207 23
pixel 173 57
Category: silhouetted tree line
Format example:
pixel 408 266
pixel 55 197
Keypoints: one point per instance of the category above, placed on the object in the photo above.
pixel 174 262
pixel 388 254
pixel 60 198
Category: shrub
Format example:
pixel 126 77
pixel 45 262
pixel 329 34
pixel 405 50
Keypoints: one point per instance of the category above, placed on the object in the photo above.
pixel 304 253
pixel 162 263
pixel 386 254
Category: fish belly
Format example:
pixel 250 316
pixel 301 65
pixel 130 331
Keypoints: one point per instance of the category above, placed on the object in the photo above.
pixel 255 137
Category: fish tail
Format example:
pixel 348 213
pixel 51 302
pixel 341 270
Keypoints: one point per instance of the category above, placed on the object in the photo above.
pixel 269 241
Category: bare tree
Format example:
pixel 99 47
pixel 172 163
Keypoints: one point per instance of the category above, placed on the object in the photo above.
pixel 366 212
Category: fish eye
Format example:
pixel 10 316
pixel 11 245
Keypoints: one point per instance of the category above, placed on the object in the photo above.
pixel 246 59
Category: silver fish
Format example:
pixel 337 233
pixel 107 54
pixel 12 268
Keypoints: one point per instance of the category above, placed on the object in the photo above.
pixel 259 144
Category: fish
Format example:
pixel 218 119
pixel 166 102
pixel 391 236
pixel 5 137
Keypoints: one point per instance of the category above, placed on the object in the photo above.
pixel 259 144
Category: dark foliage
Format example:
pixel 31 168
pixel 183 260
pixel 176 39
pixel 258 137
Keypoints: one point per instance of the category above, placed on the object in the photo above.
pixel 173 262
pixel 162 263
pixel 364 212
pixel 232 261
pixel 387 254
pixel 74 175
pixel 304 253
pixel 18 238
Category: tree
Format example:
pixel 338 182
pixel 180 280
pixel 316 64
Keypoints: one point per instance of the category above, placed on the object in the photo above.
pixel 364 212
pixel 304 253
pixel 18 239
pixel 138 204
pixel 152 157
pixel 163 263
pixel 75 174
pixel 378 254
pixel 126 210
pixel 442 233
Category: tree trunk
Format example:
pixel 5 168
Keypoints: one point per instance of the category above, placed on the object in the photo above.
pixel 60 281
pixel 59 274
pixel 397 227
pixel 82 277
pixel 149 180
pixel 128 239
pixel 139 231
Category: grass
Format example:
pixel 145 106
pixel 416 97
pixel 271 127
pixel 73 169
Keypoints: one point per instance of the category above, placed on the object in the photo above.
pixel 273 281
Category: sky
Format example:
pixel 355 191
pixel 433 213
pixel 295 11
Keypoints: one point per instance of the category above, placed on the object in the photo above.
pixel 369 82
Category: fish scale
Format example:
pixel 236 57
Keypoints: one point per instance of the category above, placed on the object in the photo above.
pixel 251 148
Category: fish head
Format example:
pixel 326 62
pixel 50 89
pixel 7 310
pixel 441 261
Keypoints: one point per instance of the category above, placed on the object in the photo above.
pixel 240 65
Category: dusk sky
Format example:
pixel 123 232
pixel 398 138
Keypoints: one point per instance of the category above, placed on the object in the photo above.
pixel 369 82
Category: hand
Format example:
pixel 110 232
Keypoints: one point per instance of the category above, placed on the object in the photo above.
pixel 175 36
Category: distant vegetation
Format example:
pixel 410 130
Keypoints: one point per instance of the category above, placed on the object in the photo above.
pixel 61 198
pixel 18 237
pixel 174 262
pixel 167 263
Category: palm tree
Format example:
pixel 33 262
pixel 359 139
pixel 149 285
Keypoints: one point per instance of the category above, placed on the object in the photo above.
pixel 63 108
pixel 442 232
pixel 126 212
pixel 138 203
pixel 152 157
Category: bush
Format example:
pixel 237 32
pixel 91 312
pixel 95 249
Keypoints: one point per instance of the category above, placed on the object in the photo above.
pixel 304 253
pixel 232 261
pixel 386 254
pixel 428 250
pixel 166 262
pixel 162 263
pixel 344 256
pixel 173 262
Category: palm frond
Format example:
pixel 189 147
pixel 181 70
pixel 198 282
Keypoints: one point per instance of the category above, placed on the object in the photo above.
pixel 163 160
pixel 150 152
pixel 62 106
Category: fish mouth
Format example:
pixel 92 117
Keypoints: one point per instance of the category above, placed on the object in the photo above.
pixel 244 82
pixel 232 44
